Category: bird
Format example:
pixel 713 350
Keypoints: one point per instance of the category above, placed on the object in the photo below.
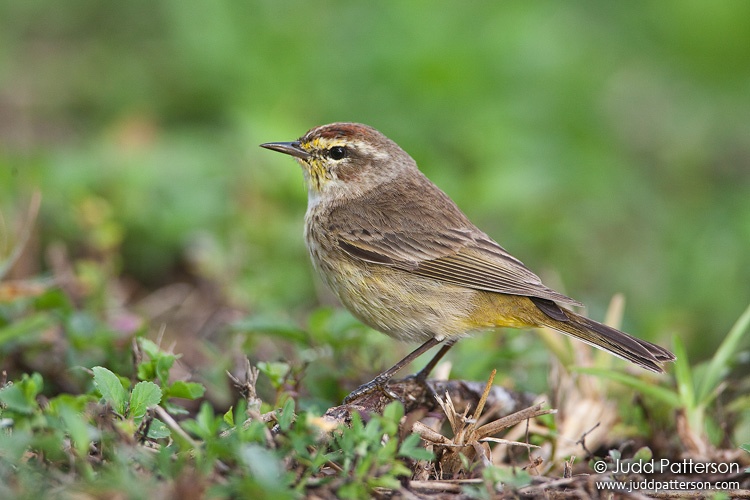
pixel 404 259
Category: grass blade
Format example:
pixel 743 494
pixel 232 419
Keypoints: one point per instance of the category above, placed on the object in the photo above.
pixel 667 396
pixel 720 363
pixel 684 375
pixel 23 239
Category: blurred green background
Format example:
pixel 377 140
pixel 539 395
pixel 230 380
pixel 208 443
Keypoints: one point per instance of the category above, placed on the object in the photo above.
pixel 606 144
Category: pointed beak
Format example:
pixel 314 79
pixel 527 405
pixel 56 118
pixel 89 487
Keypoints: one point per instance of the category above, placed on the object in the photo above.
pixel 288 148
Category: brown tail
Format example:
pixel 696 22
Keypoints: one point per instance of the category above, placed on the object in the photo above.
pixel 645 354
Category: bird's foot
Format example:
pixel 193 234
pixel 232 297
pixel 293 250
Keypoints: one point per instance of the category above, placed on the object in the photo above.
pixel 420 378
pixel 379 383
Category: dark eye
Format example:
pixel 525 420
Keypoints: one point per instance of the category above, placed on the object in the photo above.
pixel 337 153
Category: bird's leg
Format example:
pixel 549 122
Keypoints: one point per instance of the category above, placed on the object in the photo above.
pixel 381 381
pixel 421 375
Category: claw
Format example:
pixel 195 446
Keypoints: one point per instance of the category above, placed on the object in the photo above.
pixel 421 379
pixel 381 381
pixel 377 384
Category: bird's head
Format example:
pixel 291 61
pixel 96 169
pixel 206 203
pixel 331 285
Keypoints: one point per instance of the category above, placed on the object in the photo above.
pixel 343 160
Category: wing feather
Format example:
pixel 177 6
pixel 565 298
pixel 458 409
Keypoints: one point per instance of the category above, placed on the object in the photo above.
pixel 434 240
pixel 470 265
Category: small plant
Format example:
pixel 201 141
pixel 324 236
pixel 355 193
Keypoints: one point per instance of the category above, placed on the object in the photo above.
pixel 369 455
pixel 696 387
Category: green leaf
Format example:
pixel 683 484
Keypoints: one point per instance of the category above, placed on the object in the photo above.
pixel 394 411
pixel 388 482
pixel 146 371
pixel 263 466
pixel 205 425
pixel 159 365
pixel 15 445
pixel 158 430
pixel 31 386
pixel 77 429
pixel 684 375
pixel 110 388
pixel 644 454
pixel 411 448
pixel 186 390
pixel 174 409
pixel 352 490
pixel 287 415
pixel 149 347
pixel 55 299
pixel 76 403
pixel 14 399
pixel 163 365
pixel 722 359
pixel 276 372
pixel 229 417
pixel 144 396
pixel 666 396
pixel 25 329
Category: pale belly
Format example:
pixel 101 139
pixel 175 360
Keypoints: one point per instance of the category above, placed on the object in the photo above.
pixel 397 303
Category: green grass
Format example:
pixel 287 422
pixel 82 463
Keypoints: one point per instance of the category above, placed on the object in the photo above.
pixel 134 429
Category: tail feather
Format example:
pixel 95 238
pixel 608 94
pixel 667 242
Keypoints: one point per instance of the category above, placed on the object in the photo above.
pixel 642 353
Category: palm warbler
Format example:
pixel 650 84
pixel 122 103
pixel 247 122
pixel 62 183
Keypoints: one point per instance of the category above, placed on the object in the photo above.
pixel 404 259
